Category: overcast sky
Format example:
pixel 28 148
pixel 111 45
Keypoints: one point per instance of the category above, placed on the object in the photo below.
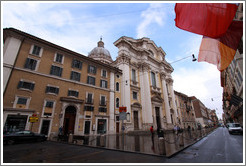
pixel 79 26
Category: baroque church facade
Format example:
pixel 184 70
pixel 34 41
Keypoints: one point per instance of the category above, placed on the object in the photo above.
pixel 83 94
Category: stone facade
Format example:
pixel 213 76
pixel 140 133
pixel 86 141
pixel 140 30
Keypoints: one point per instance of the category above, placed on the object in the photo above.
pixel 147 84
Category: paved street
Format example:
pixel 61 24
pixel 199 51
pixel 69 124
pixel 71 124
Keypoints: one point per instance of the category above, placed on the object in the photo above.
pixel 217 147
pixel 54 152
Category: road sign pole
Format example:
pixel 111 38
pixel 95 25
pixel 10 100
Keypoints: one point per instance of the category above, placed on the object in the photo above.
pixel 31 126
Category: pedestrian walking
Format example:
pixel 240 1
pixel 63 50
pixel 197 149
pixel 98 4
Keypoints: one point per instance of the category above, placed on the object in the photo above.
pixel 152 132
pixel 175 129
pixel 60 130
pixel 189 131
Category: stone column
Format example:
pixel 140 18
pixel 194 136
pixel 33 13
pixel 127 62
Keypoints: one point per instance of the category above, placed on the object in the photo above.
pixel 111 103
pixel 165 95
pixel 145 96
pixel 174 107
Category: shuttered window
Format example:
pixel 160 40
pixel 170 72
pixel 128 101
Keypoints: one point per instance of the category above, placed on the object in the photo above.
pixel 56 70
pixel 51 89
pixel 91 80
pixel 77 64
pixel 26 85
pixel 75 76
pixel 30 64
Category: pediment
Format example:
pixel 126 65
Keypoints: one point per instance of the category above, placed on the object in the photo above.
pixel 136 105
pixel 157 98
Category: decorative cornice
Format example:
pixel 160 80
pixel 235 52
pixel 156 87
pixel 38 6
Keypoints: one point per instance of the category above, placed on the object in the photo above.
pixel 18 110
pixel 163 76
pixel 68 99
pixel 143 66
pixel 169 80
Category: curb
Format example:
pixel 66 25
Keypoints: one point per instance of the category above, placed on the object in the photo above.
pixel 174 154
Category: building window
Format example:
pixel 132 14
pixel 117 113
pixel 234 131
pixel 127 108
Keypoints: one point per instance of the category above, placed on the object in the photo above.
pixel 135 95
pixel 30 64
pixel 73 93
pixel 153 79
pixel 51 89
pixel 59 58
pixel 103 109
pixel 103 101
pixel 22 100
pixel 117 87
pixel 134 75
pixel 89 98
pixel 117 102
pixel 103 84
pixel 26 85
pixel 89 108
pixel 56 70
pixel 104 73
pixel 75 76
pixel 49 104
pixel 92 69
pixel 77 64
pixel 36 50
pixel 91 80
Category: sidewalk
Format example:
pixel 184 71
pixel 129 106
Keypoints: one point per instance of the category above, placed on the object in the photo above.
pixel 168 146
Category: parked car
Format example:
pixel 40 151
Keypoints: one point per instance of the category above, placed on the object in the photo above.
pixel 23 136
pixel 234 128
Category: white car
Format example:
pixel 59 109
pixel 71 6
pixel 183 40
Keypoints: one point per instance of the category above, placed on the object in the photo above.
pixel 234 128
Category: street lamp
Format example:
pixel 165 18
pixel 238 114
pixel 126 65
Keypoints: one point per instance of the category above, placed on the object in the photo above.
pixel 193 59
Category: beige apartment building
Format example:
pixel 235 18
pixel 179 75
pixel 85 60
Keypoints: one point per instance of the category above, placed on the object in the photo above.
pixel 186 111
pixel 60 87
pixel 201 114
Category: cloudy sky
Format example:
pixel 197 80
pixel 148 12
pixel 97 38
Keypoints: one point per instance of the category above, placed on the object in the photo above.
pixel 79 26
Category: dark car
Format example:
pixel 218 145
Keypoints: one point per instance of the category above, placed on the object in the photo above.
pixel 23 136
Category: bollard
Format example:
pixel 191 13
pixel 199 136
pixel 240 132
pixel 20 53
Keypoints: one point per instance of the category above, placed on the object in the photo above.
pixel 102 140
pixel 70 138
pixel 162 147
pixel 181 140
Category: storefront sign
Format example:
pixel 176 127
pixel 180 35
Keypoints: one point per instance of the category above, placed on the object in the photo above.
pixel 33 119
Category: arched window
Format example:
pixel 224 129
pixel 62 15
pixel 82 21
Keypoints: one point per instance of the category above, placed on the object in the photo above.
pixel 117 102
pixel 117 87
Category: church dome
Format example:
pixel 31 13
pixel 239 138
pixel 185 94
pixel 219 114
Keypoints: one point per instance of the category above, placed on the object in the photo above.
pixel 100 53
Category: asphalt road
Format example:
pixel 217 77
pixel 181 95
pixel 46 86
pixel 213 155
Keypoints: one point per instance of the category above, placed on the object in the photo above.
pixel 218 147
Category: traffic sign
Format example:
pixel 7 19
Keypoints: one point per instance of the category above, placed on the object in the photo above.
pixel 122 116
pixel 33 119
pixel 122 109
